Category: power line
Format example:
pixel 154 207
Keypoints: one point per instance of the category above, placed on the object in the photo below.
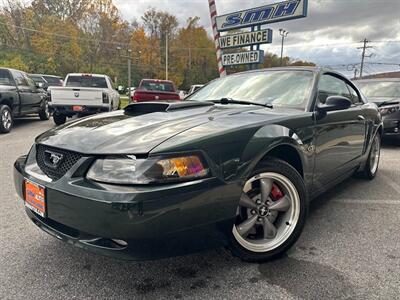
pixel 124 43
pixel 305 44
pixel 61 35
pixel 383 63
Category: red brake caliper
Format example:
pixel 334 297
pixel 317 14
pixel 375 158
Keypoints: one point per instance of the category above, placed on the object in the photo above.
pixel 276 193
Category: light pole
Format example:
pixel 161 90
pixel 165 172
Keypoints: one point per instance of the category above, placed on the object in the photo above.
pixel 129 72
pixel 283 33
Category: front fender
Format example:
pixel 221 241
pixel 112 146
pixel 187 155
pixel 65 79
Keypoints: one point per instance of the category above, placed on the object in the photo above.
pixel 270 137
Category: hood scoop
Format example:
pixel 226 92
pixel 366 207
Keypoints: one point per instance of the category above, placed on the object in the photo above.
pixel 150 107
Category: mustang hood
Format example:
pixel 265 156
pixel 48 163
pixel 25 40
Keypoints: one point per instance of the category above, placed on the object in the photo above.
pixel 139 128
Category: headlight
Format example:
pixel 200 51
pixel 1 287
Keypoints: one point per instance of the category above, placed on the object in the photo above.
pixel 130 170
pixel 386 110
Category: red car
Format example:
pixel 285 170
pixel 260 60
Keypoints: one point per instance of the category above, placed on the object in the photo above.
pixel 155 89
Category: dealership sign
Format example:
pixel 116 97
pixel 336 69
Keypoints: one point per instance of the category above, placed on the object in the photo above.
pixel 272 13
pixel 248 57
pixel 245 39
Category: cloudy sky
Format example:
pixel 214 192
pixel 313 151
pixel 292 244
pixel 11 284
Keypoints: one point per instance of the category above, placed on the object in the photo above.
pixel 329 35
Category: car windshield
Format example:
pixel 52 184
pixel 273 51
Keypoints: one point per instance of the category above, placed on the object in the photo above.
pixel 52 80
pixel 5 78
pixel 289 88
pixel 380 89
pixel 157 86
pixel 86 81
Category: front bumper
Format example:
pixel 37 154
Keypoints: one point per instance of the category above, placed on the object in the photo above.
pixel 135 222
pixel 391 126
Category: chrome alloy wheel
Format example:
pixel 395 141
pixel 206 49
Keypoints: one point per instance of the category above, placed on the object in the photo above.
pixel 46 109
pixel 375 154
pixel 264 222
pixel 6 119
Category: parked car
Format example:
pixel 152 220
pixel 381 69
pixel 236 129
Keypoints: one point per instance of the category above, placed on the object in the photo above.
pixel 385 93
pixel 194 88
pixel 83 94
pixel 234 164
pixel 45 81
pixel 155 89
pixel 19 96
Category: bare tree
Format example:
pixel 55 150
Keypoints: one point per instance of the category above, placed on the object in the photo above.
pixel 15 21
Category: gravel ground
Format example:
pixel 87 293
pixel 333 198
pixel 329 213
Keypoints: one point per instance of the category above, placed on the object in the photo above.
pixel 350 248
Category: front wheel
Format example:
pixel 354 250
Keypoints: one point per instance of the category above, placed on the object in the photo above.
pixel 6 119
pixel 59 119
pixel 44 113
pixel 271 213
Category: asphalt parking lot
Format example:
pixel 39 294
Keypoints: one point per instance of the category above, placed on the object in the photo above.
pixel 350 248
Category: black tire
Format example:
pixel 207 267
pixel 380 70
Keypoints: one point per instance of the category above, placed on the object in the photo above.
pixel 282 168
pixel 369 172
pixel 44 113
pixel 6 119
pixel 59 119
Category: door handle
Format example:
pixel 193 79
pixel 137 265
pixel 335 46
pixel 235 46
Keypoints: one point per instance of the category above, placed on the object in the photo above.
pixel 360 118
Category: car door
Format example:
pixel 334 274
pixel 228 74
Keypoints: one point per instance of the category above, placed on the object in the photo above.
pixel 24 91
pixel 37 94
pixel 365 116
pixel 338 135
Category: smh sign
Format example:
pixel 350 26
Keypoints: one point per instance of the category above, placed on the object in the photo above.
pixel 277 12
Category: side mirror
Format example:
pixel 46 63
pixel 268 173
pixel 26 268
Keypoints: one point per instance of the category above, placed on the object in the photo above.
pixel 335 103
pixel 39 85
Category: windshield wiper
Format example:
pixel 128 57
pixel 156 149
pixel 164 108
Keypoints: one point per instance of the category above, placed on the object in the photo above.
pixel 230 100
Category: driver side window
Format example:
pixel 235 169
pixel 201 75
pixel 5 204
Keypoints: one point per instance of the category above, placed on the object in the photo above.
pixel 331 86
pixel 30 82
pixel 20 80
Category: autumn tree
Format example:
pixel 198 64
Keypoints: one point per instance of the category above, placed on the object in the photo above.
pixel 63 9
pixel 62 36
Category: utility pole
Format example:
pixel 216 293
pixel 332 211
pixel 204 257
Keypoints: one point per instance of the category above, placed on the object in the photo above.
pixel 363 56
pixel 129 71
pixel 129 75
pixel 283 33
pixel 166 56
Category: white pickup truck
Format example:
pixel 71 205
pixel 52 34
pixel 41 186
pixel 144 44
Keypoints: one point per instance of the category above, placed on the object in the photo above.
pixel 82 94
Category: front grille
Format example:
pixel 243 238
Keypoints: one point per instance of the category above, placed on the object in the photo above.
pixel 69 159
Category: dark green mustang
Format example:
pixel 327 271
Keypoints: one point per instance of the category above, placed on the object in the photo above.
pixel 234 164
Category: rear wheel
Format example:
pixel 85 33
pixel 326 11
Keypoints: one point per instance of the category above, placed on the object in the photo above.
pixel 6 119
pixel 271 213
pixel 371 167
pixel 44 113
pixel 59 119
